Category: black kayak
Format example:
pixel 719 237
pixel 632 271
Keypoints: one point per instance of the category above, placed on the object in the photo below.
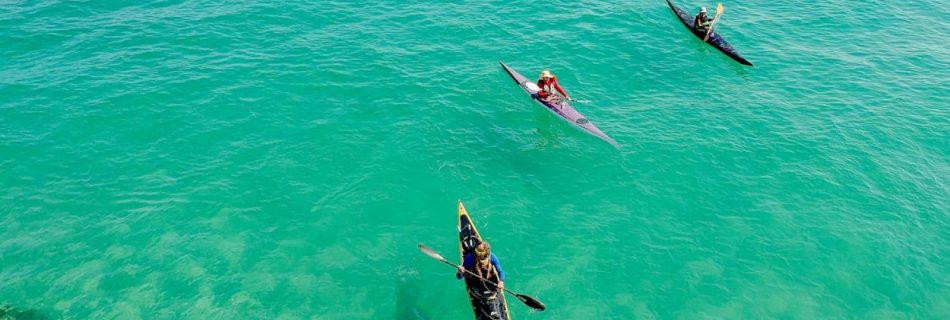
pixel 486 305
pixel 714 39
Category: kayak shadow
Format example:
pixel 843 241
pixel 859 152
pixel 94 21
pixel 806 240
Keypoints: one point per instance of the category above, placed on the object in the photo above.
pixel 710 56
pixel 9 312
pixel 547 129
pixel 740 70
pixel 407 301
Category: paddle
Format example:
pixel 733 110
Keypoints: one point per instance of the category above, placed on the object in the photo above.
pixel 572 100
pixel 527 300
pixel 719 10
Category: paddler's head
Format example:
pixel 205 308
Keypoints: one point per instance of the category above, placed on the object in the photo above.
pixel 483 253
pixel 702 10
pixel 546 75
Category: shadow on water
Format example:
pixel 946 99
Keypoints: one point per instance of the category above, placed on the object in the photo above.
pixel 712 56
pixel 407 301
pixel 740 70
pixel 546 128
pixel 9 312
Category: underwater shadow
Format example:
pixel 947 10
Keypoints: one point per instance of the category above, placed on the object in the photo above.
pixel 9 312
pixel 407 301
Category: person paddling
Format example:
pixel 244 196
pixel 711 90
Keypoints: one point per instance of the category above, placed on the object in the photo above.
pixel 485 264
pixel 702 20
pixel 548 84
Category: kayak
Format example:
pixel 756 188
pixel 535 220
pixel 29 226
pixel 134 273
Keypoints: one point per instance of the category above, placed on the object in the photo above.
pixel 714 39
pixel 562 108
pixel 490 305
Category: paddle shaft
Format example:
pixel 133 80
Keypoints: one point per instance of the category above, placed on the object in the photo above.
pixel 527 300
pixel 560 96
pixel 477 276
pixel 719 10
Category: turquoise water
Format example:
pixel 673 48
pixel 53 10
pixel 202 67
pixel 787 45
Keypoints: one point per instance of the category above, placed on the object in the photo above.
pixel 234 160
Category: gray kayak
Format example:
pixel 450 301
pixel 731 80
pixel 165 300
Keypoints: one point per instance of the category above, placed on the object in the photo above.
pixel 562 108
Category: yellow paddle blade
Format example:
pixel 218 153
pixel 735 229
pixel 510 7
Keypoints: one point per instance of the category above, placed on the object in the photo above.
pixel 719 10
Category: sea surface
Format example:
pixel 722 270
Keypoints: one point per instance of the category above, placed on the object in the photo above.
pixel 207 159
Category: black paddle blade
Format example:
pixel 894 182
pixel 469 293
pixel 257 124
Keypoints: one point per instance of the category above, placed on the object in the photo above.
pixel 531 302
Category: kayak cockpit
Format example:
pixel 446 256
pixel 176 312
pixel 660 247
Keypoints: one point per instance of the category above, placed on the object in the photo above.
pixel 532 87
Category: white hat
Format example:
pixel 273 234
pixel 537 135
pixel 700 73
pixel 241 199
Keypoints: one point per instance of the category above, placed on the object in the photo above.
pixel 546 74
pixel 703 9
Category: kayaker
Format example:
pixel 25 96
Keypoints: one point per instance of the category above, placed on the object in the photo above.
pixel 485 264
pixel 548 84
pixel 702 20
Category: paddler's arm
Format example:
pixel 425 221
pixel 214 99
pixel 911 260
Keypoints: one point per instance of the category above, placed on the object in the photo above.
pixel 467 263
pixel 557 86
pixel 494 261
pixel 501 273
